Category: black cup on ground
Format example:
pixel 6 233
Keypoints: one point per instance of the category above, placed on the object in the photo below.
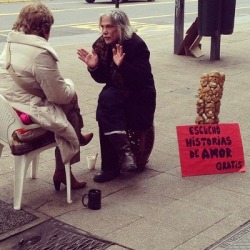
pixel 94 199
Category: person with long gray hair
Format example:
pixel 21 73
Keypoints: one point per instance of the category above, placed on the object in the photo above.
pixel 120 60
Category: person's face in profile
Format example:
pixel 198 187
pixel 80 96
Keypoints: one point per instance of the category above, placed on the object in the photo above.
pixel 109 31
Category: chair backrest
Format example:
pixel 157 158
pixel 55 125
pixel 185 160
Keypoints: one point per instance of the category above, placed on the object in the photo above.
pixel 9 120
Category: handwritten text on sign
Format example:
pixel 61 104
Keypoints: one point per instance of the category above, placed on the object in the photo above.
pixel 210 149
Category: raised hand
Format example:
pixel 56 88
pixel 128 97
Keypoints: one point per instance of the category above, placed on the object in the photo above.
pixel 118 55
pixel 91 59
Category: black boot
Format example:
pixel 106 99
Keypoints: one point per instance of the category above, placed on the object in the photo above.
pixel 109 160
pixel 105 176
pixel 122 145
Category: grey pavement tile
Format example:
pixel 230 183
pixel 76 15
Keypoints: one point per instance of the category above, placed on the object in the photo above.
pixel 170 112
pixel 185 120
pixel 218 199
pixel 7 163
pixel 116 247
pixel 88 113
pixel 37 185
pixel 240 93
pixel 245 126
pixel 176 171
pixel 45 171
pixel 244 212
pixel 171 186
pixel 161 161
pixel 196 243
pixel 90 123
pixel 247 153
pixel 52 203
pixel 52 199
pixel 6 199
pixel 205 180
pixel 7 184
pixel 247 159
pixel 99 222
pixel 121 182
pixel 164 131
pixel 233 115
pixel 138 200
pixel 135 178
pixel 168 146
pixel 237 182
pixel 7 191
pixel 6 176
pixel 188 217
pixel 148 234
pixel 40 197
pixel 223 227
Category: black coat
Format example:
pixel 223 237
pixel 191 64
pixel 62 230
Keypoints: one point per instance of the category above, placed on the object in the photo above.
pixel 128 99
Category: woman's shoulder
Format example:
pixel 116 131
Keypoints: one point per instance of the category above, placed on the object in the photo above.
pixel 135 41
pixel 33 44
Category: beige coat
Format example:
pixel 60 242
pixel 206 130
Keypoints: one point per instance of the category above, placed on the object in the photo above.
pixel 35 62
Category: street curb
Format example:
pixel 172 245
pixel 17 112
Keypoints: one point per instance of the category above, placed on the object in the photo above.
pixel 13 1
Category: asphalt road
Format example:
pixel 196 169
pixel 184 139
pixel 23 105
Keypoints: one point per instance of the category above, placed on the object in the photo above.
pixel 76 21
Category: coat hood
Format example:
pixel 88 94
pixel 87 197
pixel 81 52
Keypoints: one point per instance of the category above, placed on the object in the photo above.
pixel 32 40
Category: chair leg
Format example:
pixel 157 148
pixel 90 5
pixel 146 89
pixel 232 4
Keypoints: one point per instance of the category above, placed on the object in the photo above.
pixel 21 167
pixel 34 169
pixel 68 182
pixel 22 164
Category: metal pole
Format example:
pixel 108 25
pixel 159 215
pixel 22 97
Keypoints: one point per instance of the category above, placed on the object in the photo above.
pixel 215 40
pixel 117 4
pixel 178 24
pixel 215 47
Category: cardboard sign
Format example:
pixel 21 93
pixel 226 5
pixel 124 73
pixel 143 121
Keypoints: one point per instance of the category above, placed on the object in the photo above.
pixel 210 149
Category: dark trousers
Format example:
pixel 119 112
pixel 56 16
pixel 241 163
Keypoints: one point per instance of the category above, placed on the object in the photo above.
pixel 72 112
pixel 111 110
pixel 109 155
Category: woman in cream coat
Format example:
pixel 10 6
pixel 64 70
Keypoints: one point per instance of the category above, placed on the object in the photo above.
pixel 34 61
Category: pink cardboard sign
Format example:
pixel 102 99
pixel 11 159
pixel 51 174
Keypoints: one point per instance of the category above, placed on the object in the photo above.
pixel 210 149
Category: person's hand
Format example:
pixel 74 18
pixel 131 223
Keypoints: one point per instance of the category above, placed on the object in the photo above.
pixel 118 55
pixel 91 59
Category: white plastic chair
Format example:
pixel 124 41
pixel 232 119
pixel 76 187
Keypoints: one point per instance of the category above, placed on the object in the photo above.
pixel 9 122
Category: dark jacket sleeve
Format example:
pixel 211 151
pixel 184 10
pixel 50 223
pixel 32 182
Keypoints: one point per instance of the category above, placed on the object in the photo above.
pixel 98 74
pixel 136 68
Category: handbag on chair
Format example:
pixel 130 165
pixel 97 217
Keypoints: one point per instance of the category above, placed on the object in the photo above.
pixel 26 140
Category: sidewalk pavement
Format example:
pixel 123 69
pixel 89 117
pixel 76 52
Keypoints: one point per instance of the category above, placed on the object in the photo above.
pixel 156 209
pixel 13 1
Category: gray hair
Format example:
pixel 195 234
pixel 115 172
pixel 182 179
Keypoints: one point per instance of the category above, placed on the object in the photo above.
pixel 120 20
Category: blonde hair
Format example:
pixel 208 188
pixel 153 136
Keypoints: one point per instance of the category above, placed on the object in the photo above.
pixel 34 19
pixel 120 20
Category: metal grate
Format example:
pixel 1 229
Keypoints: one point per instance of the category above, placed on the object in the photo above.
pixel 239 239
pixel 63 240
pixel 11 219
pixel 48 235
pixel 54 235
